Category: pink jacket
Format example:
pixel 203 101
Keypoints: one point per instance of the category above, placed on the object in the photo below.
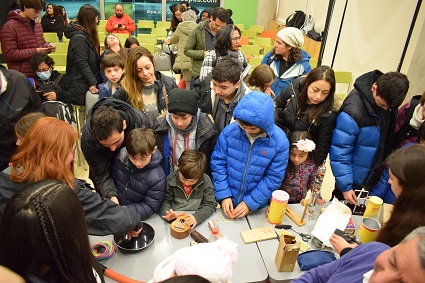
pixel 126 20
pixel 19 42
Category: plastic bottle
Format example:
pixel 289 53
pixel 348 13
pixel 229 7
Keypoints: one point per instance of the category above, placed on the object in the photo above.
pixel 215 235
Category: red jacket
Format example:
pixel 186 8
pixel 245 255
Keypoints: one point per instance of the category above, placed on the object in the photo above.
pixel 126 20
pixel 19 42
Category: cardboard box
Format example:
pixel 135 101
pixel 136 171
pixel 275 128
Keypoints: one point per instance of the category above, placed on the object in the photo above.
pixel 287 253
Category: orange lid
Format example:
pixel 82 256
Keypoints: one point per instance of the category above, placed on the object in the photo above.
pixel 214 231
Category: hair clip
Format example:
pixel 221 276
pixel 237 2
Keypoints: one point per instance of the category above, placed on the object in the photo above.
pixel 305 145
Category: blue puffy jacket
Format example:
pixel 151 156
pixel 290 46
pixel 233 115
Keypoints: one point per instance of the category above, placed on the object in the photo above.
pixel 250 172
pixel 143 189
pixel 297 69
pixel 359 141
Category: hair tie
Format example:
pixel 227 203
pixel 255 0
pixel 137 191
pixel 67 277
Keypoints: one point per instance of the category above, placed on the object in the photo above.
pixel 102 250
pixel 305 145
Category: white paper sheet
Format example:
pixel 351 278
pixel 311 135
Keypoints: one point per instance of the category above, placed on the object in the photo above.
pixel 336 215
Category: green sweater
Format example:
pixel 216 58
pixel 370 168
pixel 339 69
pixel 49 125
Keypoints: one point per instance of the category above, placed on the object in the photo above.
pixel 201 199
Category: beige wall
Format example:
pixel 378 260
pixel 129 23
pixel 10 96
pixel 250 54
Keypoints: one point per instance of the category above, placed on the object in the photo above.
pixel 266 10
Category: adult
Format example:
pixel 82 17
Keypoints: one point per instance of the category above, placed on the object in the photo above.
pixel 375 263
pixel 186 5
pixel 22 37
pixel 109 122
pixel 43 235
pixel 142 87
pixel 176 19
pixel 62 12
pixel 410 117
pixel 83 50
pixel 52 85
pixel 17 98
pixel 47 153
pixel 227 43
pixel 287 59
pixel 205 15
pixel 306 105
pixel 260 79
pixel 112 46
pixel 364 131
pixel 180 37
pixel 201 39
pixel 408 184
pixel 131 42
pixel 120 22
pixel 52 20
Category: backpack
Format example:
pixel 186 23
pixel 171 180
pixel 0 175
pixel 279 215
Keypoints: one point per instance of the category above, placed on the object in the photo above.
pixel 57 109
pixel 296 19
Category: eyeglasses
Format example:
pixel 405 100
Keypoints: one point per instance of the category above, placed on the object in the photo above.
pixel 237 38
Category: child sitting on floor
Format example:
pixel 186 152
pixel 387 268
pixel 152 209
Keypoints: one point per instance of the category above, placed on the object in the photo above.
pixel 189 189
pixel 301 171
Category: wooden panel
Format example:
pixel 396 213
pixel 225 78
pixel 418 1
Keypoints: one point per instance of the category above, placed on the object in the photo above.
pixel 259 234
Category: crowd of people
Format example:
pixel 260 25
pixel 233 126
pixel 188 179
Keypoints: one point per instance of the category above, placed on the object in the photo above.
pixel 224 138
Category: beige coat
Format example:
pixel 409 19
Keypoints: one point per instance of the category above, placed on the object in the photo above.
pixel 180 37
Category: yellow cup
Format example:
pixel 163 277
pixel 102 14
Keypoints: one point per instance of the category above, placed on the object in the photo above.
pixel 373 206
pixel 368 229
pixel 277 207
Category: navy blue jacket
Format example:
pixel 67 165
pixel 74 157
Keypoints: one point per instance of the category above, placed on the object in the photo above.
pixel 363 135
pixel 140 189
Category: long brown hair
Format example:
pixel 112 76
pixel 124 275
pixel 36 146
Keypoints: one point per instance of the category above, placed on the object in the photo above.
pixel 314 112
pixel 406 165
pixel 131 82
pixel 260 76
pixel 43 152
pixel 87 19
pixel 174 21
pixel 294 55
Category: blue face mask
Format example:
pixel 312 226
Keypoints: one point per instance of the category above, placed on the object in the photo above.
pixel 44 75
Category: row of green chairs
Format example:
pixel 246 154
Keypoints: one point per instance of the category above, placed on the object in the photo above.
pixel 257 28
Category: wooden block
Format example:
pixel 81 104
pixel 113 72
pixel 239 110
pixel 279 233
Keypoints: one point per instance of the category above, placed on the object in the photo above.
pixel 303 246
pixel 259 234
pixel 294 216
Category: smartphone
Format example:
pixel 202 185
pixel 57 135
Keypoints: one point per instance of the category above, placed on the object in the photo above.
pixel 339 232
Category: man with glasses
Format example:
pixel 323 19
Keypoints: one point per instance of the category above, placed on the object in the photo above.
pixel 200 40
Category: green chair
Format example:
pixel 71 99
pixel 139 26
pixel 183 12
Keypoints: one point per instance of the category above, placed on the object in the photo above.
pixel 60 62
pixel 263 43
pixel 161 33
pixel 240 26
pixel 122 37
pixel 162 24
pixel 146 38
pixel 342 77
pixel 103 22
pixel 144 26
pixel 51 37
pixel 313 62
pixel 257 28
pixel 149 46
pixel 253 50
pixel 252 34
pixel 255 61
pixel 62 47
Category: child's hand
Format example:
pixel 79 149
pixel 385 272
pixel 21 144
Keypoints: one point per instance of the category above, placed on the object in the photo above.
pixel 241 210
pixel 227 206
pixel 321 201
pixel 191 220
pixel 170 215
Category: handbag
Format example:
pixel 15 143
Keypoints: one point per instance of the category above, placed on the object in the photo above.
pixel 173 56
pixel 314 258
pixel 162 61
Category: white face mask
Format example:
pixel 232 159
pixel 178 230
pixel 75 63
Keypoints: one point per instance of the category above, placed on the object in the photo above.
pixel 44 75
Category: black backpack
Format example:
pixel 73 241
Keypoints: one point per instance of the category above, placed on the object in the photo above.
pixel 296 20
pixel 57 109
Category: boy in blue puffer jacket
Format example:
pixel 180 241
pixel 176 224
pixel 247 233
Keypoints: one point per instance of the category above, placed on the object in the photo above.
pixel 250 157
pixel 138 175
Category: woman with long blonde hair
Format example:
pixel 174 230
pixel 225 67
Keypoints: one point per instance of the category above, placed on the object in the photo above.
pixel 143 87
pixel 46 153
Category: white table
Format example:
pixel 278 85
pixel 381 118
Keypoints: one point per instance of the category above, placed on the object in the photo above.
pixel 140 266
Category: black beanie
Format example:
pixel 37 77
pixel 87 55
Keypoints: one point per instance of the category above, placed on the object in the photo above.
pixel 183 100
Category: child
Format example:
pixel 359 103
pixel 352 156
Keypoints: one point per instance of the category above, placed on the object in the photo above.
pixel 189 189
pixel 301 170
pixel 249 157
pixel 138 175
pixel 184 127
pixel 24 124
pixel 113 67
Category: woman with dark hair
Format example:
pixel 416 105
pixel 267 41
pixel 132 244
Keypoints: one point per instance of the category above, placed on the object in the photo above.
pixel 226 44
pixel 43 235
pixel 131 42
pixel 142 87
pixel 287 59
pixel 307 105
pixel 47 152
pixel 176 19
pixel 62 12
pixel 408 184
pixel 52 21
pixel 83 50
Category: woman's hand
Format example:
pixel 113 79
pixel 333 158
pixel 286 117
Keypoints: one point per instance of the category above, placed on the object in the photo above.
pixel 227 206
pixel 93 89
pixel 167 41
pixel 50 95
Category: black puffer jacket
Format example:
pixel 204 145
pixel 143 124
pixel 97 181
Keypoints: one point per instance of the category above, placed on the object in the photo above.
pixel 161 80
pixel 286 119
pixel 100 158
pixel 82 59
